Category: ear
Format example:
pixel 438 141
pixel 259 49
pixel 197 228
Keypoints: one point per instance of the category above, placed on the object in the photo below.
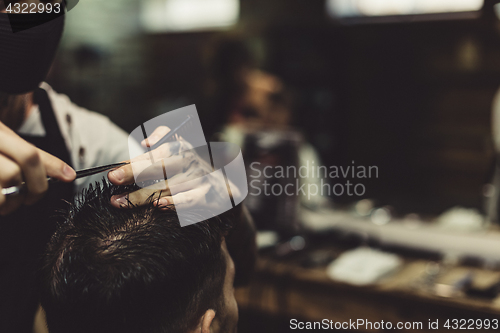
pixel 205 322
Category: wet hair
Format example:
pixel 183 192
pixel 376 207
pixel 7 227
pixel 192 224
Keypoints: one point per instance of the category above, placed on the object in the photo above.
pixel 131 270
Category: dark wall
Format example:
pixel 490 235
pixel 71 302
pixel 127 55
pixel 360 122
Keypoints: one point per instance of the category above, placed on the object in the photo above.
pixel 412 98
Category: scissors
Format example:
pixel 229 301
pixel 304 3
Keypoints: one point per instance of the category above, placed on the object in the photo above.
pixel 15 190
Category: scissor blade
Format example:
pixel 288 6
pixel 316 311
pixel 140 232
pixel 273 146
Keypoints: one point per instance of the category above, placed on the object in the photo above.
pixel 96 170
pixel 16 190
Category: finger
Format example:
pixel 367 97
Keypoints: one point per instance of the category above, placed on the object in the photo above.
pixel 165 202
pixel 142 169
pixel 11 173
pixel 164 151
pixel 27 157
pixel 207 194
pixel 2 198
pixel 179 167
pixel 5 128
pixel 156 136
pixel 188 181
pixel 139 197
pixel 176 156
pixel 190 199
pixel 182 182
pixel 125 175
pixel 10 176
pixel 55 168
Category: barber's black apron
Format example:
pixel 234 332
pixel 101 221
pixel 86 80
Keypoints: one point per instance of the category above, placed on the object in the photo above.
pixel 25 233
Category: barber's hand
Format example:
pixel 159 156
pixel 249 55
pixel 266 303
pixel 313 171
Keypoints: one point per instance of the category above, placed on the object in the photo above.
pixel 185 169
pixel 20 162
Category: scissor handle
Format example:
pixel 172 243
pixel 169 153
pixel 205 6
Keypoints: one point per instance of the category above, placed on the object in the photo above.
pixel 16 190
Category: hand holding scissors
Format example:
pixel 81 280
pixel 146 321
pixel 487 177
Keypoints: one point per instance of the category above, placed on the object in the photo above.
pixel 23 163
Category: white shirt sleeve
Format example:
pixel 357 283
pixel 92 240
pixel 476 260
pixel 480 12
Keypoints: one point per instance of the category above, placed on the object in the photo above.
pixel 92 138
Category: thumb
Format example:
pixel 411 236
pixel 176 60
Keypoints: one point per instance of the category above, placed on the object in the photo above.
pixel 56 168
pixel 156 136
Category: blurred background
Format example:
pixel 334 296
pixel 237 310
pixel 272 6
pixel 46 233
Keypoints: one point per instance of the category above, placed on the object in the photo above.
pixel 407 86
pixel 410 95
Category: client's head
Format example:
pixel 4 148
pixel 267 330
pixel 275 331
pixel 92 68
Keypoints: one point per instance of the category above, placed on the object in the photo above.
pixel 136 271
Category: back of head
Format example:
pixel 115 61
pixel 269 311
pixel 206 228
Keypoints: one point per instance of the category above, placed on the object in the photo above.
pixel 130 270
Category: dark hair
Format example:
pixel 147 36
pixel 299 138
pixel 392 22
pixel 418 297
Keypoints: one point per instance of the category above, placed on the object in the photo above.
pixel 131 270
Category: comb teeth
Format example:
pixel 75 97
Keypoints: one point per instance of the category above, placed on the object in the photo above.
pixel 178 131
pixel 183 131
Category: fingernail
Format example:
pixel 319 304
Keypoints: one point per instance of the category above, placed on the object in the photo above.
pixel 149 141
pixel 118 174
pixel 164 202
pixel 121 200
pixel 68 171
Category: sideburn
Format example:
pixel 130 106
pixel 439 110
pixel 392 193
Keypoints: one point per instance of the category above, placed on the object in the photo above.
pixel 12 110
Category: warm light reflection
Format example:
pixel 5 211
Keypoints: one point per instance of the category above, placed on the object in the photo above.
pixel 182 15
pixel 352 8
